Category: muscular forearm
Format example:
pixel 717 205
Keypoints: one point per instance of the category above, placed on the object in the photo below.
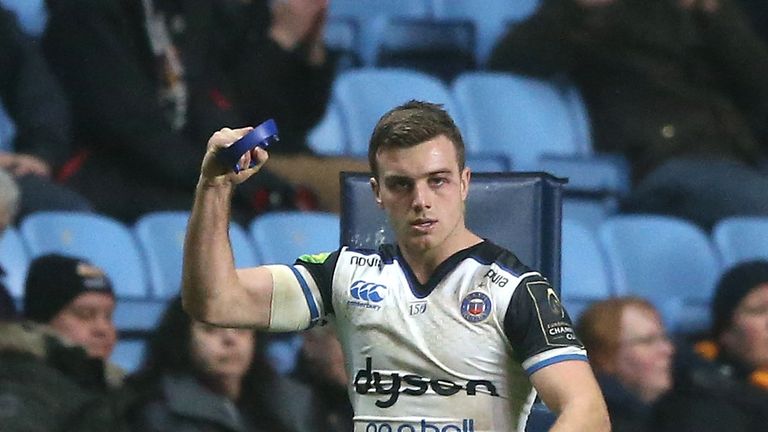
pixel 208 262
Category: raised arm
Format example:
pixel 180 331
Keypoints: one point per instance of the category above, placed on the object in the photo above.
pixel 212 290
pixel 570 390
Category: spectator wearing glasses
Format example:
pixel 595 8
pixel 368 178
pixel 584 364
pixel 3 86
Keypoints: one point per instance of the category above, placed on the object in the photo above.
pixel 632 358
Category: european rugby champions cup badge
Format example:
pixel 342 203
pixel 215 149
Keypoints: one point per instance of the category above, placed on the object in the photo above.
pixel 476 306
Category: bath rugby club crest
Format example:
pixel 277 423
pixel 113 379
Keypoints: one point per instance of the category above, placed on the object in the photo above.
pixel 476 307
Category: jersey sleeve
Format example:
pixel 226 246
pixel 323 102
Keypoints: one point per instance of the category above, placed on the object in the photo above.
pixel 539 328
pixel 320 268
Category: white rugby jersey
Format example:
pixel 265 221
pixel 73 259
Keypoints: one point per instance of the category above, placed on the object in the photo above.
pixel 453 354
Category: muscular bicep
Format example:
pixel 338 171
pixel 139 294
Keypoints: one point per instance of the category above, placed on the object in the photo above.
pixel 281 298
pixel 569 389
pixel 562 382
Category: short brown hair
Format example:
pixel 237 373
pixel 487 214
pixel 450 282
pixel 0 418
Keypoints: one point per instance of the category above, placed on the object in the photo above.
pixel 599 327
pixel 411 124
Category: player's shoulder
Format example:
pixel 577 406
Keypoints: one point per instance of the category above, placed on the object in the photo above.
pixel 503 260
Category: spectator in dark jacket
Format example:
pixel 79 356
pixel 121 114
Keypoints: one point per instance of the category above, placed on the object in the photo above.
pixel 36 105
pixel 724 386
pixel 54 373
pixel 205 378
pixel 150 80
pixel 679 87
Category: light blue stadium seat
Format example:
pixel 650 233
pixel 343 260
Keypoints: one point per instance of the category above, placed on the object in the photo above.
pixel 281 237
pixel 31 14
pixel 741 238
pixel 106 243
pixel 589 211
pixel 161 237
pixel 138 316
pixel 598 174
pixel 363 95
pixel 327 137
pixel 369 9
pixel 595 185
pixel 669 261
pixel 371 17
pixel 129 354
pixel 100 239
pixel 342 36
pixel 14 260
pixel 491 18
pixel 521 117
pixel 584 274
pixel 439 48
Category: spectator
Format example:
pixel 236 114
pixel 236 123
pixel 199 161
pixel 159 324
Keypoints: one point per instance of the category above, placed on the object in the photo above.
pixel 205 378
pixel 679 87
pixel 725 388
pixel 631 356
pixel 150 80
pixel 38 109
pixel 53 373
pixel 76 299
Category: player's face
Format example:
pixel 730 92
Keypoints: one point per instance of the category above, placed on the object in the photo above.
pixel 423 193
pixel 222 352
pixel 644 357
pixel 747 337
pixel 87 321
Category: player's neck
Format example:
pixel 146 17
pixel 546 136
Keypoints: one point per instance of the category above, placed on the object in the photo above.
pixel 423 262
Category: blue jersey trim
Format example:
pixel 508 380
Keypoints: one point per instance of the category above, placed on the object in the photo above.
pixel 557 359
pixel 314 314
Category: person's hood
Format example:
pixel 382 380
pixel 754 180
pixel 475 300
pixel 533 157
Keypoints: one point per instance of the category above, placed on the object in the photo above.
pixel 42 342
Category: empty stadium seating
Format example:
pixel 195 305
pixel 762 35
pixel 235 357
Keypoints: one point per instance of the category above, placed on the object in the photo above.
pixel 14 261
pixel 585 277
pixel 363 95
pixel 741 239
pixel 161 235
pixel 281 237
pixel 669 261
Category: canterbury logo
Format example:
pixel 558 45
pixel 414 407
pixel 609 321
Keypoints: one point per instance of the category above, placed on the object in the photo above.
pixel 368 291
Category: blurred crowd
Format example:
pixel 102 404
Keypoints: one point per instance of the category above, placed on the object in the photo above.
pixel 112 106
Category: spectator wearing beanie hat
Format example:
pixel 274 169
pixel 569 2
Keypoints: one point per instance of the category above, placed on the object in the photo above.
pixel 75 298
pixel 726 387
pixel 54 375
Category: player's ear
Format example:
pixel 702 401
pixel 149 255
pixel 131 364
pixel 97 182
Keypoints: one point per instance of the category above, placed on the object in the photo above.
pixel 376 190
pixel 466 174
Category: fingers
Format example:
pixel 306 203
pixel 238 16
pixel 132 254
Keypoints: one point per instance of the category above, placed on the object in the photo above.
pixel 252 161
pixel 226 136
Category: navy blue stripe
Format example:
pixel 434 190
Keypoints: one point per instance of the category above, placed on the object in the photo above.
pixel 314 314
pixel 553 360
